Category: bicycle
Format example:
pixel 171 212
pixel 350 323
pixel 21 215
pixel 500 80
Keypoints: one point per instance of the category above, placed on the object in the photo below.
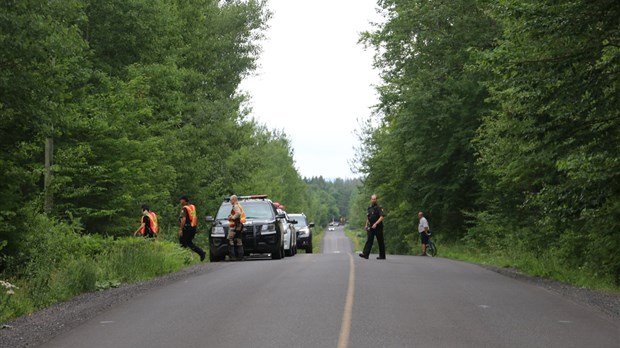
pixel 431 249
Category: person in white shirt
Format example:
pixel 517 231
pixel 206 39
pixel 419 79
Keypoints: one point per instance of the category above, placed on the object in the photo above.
pixel 424 231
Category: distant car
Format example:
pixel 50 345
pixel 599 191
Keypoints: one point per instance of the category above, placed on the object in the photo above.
pixel 304 231
pixel 331 228
pixel 263 233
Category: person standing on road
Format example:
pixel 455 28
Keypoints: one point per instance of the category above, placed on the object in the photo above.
pixel 374 228
pixel 188 223
pixel 148 223
pixel 424 231
pixel 236 219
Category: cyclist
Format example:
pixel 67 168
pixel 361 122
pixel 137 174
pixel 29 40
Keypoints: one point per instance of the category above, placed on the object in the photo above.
pixel 424 231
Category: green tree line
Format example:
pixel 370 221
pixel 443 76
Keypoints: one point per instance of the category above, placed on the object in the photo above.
pixel 140 102
pixel 107 105
pixel 500 120
pixel 329 200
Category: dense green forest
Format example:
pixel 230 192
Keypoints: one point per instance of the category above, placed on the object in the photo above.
pixel 108 105
pixel 501 121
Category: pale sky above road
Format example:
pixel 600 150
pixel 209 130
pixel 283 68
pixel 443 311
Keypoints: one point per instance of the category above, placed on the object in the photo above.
pixel 315 81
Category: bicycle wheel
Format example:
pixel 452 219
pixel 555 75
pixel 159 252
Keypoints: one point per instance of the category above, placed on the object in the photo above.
pixel 431 249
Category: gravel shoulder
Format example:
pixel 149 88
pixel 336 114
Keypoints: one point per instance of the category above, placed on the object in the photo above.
pixel 39 327
pixel 605 303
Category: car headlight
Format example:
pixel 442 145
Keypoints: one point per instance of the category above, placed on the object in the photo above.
pixel 268 229
pixel 304 232
pixel 217 231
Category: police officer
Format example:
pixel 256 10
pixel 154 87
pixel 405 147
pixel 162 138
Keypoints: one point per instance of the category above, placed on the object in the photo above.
pixel 236 219
pixel 188 223
pixel 148 223
pixel 374 228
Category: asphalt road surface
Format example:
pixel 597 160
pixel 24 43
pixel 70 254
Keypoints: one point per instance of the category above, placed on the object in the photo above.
pixel 337 299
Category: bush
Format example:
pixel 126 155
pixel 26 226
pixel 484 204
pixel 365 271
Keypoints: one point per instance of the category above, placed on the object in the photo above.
pixel 57 262
pixel 137 259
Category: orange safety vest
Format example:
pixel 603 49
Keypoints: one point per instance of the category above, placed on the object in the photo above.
pixel 191 213
pixel 231 222
pixel 153 222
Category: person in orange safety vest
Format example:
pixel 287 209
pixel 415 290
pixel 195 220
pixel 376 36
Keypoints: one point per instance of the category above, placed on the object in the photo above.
pixel 236 219
pixel 188 223
pixel 149 226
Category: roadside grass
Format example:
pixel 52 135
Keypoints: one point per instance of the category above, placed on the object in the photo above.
pixel 544 266
pixel 61 263
pixel 317 239
pixel 357 236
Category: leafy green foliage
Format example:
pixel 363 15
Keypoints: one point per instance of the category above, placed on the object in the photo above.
pixel 551 145
pixel 420 157
pixel 141 101
pixel 58 262
pixel 328 200
pixel 500 120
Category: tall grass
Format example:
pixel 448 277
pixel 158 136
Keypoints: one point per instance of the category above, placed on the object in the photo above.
pixel 546 265
pixel 358 237
pixel 58 262
pixel 317 239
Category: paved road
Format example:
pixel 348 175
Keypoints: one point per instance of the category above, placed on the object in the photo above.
pixel 336 299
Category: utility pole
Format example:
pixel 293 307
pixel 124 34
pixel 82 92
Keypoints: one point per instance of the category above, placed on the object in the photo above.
pixel 49 159
pixel 48 205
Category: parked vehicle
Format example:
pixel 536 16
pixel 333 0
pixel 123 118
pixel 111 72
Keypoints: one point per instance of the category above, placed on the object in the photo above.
pixel 290 235
pixel 304 231
pixel 263 232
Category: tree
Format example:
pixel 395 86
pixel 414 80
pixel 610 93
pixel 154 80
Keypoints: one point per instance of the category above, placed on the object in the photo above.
pixel 43 68
pixel 549 151
pixel 420 157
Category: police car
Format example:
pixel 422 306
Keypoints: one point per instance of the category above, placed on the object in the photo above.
pixel 263 232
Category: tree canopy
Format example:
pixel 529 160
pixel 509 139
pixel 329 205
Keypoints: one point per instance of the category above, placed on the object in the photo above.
pixel 500 120
pixel 141 102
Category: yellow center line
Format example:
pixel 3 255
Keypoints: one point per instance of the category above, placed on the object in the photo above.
pixel 345 327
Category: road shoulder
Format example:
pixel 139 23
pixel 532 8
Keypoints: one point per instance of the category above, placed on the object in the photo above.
pixel 606 303
pixel 41 326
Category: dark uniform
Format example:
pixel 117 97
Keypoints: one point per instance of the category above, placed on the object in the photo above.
pixel 189 232
pixel 375 211
pixel 148 232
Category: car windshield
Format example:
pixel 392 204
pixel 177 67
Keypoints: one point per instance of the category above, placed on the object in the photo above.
pixel 301 221
pixel 253 210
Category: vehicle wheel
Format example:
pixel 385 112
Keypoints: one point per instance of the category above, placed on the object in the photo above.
pixel 277 254
pixel 309 249
pixel 288 252
pixel 213 258
pixel 431 249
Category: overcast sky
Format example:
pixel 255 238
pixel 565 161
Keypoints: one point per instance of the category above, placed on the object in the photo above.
pixel 315 81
